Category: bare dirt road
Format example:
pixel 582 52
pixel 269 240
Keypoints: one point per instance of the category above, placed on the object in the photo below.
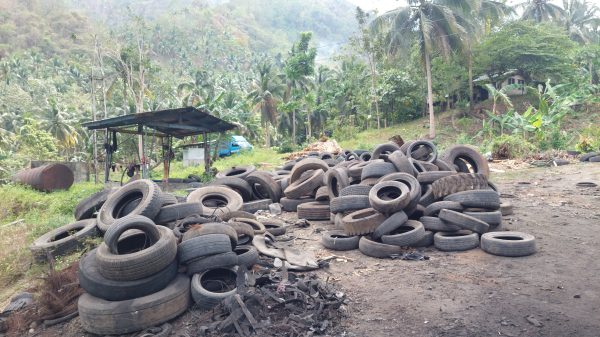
pixel 555 292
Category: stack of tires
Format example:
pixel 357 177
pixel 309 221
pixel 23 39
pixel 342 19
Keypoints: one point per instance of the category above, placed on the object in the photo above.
pixel 211 255
pixel 131 280
pixel 257 189
pixel 306 180
pixel 409 196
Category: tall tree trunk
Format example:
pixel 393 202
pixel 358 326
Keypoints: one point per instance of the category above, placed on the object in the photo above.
pixel 267 135
pixel 430 96
pixel 470 65
pixel 308 125
pixel 373 80
pixel 294 127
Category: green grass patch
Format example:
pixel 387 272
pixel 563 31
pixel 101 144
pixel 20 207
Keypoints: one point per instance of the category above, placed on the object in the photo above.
pixel 26 214
pixel 262 158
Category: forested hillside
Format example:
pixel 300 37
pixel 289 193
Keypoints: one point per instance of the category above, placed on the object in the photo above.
pixel 288 71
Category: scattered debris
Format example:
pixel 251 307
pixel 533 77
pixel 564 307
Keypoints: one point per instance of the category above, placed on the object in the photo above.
pixel 329 145
pixel 281 303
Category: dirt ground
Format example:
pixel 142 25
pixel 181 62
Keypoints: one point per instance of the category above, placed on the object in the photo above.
pixel 555 292
pixel 476 294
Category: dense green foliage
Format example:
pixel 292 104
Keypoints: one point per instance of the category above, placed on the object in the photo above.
pixel 269 67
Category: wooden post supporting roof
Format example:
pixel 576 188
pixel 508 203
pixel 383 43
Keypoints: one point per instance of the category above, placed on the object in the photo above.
pixel 206 153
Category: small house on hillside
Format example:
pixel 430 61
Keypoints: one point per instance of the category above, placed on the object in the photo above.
pixel 512 78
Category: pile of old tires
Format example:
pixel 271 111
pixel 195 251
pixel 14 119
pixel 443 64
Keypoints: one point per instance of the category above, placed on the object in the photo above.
pixel 131 280
pixel 408 196
pixel 591 157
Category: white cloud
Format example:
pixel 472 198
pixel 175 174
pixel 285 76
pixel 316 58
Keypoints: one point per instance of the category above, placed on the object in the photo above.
pixel 380 5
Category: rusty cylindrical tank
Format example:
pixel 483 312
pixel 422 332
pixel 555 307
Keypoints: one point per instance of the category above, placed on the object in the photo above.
pixel 46 178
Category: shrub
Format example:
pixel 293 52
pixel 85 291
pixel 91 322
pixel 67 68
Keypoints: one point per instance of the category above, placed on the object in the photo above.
pixel 510 146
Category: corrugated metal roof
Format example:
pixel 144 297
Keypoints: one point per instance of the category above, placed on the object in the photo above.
pixel 178 123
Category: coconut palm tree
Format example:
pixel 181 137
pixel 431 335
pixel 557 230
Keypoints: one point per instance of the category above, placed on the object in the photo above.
pixel 267 90
pixel 60 124
pixel 484 15
pixel 541 10
pixel 580 18
pixel 435 25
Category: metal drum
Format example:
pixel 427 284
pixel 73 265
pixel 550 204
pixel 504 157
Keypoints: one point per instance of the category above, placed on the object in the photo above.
pixel 46 178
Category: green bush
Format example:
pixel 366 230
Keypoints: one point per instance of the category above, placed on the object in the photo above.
pixel 510 146
pixel 589 139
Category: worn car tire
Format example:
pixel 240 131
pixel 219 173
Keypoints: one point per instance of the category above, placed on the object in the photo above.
pixel 97 285
pixel 212 228
pixel 221 260
pixel 208 287
pixel 377 170
pixel 436 224
pixel 355 190
pixel 435 208
pixel 317 210
pixel 493 218
pixel 426 241
pixel 336 180
pixel 456 241
pixel 427 197
pixel 176 212
pixel 264 186
pixel 203 245
pixel 64 239
pixel 216 200
pixel 338 240
pixel 412 151
pixel 104 317
pixel 291 205
pixel 140 264
pixel 149 205
pixel 185 224
pixel 383 150
pixel 256 225
pixel 487 199
pixel 512 244
pixel 401 162
pixel 236 171
pixel 408 234
pixel 389 225
pixel 464 221
pixel 87 208
pixel 237 184
pixel 247 255
pixel 274 226
pixel 305 185
pixel 305 165
pixel 349 203
pixel 389 197
pixel 245 232
pixel 470 155
pixel 376 249
pixel 147 226
pixel 364 221
pixel 410 181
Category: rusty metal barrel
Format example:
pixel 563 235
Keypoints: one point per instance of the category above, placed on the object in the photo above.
pixel 48 178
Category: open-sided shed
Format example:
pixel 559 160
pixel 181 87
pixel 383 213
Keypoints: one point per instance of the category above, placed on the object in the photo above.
pixel 178 123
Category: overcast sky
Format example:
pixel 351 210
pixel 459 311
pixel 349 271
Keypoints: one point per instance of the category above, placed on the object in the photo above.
pixel 386 5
